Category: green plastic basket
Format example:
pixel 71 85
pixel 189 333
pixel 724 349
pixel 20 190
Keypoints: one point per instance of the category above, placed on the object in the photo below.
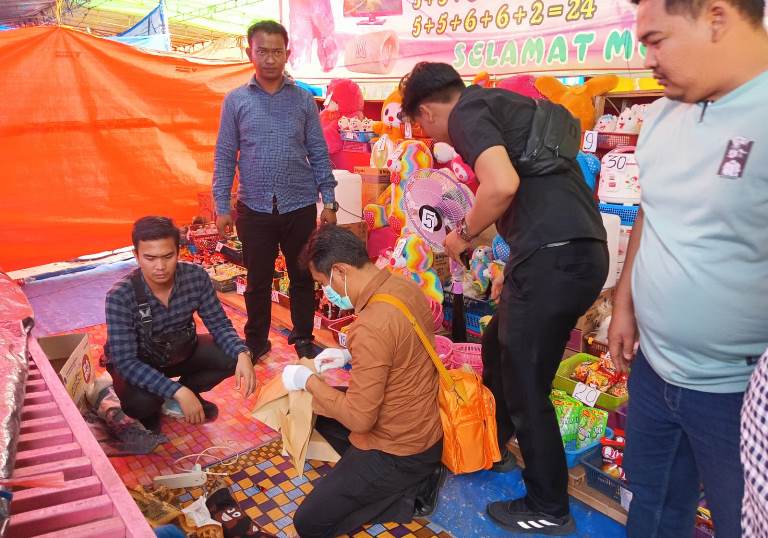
pixel 564 382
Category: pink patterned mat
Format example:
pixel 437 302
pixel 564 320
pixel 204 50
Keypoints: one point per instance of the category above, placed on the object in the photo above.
pixel 234 429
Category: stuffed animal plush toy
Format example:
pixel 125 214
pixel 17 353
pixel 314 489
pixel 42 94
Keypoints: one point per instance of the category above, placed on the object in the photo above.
pixel 446 157
pixel 606 123
pixel 629 121
pixel 522 84
pixel 478 267
pixel 413 259
pixel 391 122
pixel 444 154
pixel 577 99
pixel 381 149
pixel 345 100
pixel 409 156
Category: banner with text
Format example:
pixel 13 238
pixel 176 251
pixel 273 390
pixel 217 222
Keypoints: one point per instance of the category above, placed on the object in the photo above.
pixel 385 38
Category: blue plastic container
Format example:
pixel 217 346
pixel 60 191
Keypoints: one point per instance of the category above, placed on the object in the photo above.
pixel 573 455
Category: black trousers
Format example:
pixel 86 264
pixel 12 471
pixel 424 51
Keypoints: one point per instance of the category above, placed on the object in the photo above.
pixel 365 486
pixel 262 234
pixel 522 347
pixel 204 369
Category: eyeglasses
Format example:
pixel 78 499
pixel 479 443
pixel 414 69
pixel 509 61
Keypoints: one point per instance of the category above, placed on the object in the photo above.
pixel 275 53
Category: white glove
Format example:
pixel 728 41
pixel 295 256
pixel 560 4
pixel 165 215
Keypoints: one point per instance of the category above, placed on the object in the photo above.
pixel 295 377
pixel 331 358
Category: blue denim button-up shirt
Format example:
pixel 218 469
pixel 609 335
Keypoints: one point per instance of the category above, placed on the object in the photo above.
pixel 282 152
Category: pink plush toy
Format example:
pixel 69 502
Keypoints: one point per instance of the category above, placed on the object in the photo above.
pixel 345 100
pixel 447 157
pixel 522 84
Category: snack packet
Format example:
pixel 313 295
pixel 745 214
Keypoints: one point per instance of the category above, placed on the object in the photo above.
pixel 567 410
pixel 592 424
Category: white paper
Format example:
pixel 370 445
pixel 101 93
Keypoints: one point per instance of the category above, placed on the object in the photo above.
pixel 626 498
pixel 586 394
pixel 590 142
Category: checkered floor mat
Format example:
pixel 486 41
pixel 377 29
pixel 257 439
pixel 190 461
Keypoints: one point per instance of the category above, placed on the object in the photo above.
pixel 268 489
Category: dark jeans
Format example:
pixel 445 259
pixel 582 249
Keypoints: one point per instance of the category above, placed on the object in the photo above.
pixel 262 234
pixel 204 369
pixel 543 296
pixel 365 486
pixel 676 438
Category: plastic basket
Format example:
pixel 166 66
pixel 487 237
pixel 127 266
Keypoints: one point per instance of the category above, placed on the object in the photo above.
pixel 627 213
pixel 609 141
pixel 564 382
pixel 444 348
pixel 597 479
pixel 574 456
pixel 356 136
pixel 205 242
pixel 596 347
pixel 471 354
pixel 474 309
pixel 437 314
pixel 336 326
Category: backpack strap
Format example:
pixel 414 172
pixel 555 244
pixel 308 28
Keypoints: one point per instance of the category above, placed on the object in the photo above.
pixel 441 369
pixel 145 310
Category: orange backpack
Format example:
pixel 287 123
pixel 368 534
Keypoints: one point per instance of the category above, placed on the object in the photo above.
pixel 467 409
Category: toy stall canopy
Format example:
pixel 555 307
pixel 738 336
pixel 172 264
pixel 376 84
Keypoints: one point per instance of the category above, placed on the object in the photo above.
pixel 96 134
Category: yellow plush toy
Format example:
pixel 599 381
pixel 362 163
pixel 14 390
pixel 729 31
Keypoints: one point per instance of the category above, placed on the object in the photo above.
pixel 391 117
pixel 579 100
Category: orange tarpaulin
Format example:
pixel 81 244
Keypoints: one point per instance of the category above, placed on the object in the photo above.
pixel 93 135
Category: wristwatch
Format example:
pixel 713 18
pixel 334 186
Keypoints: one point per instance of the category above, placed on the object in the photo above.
pixel 333 206
pixel 463 231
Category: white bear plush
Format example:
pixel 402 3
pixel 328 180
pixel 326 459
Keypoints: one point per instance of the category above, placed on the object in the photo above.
pixel 628 121
pixel 606 123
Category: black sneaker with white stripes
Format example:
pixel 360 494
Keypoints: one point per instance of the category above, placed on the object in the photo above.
pixel 515 516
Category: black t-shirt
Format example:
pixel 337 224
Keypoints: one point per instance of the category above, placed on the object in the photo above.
pixel 546 209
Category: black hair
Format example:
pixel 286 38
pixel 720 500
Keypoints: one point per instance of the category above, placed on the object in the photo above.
pixel 429 81
pixel 331 244
pixel 153 228
pixel 267 26
pixel 751 9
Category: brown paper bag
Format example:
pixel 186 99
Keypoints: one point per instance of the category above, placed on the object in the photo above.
pixel 291 414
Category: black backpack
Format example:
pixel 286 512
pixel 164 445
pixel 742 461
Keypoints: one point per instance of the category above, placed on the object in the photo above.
pixel 553 142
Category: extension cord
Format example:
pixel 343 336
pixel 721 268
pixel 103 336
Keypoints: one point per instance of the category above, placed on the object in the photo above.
pixel 195 477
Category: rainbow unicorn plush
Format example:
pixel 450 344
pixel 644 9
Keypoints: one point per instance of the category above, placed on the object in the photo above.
pixel 413 259
pixel 408 156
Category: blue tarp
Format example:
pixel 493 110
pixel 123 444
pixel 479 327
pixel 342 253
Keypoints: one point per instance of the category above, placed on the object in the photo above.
pixel 151 32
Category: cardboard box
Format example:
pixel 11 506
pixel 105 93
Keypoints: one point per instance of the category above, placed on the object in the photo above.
pixel 375 181
pixel 70 356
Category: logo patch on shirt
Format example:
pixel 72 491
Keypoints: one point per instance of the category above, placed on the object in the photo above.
pixel 735 158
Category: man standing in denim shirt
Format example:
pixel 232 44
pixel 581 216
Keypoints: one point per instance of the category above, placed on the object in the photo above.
pixel 270 130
